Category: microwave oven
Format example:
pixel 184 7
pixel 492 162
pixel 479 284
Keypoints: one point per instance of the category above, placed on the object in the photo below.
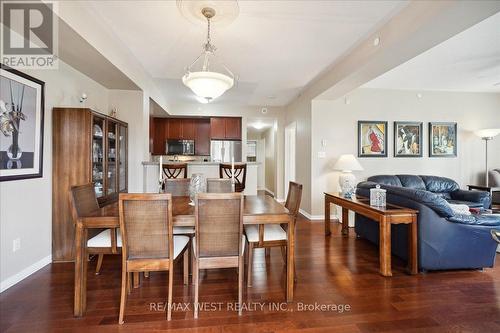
pixel 180 147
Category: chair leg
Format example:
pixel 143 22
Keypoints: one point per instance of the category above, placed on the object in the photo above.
pixel 196 287
pixel 136 280
pixel 146 274
pixel 170 289
pixel 241 271
pixel 268 251
pixel 99 264
pixel 123 298
pixel 193 264
pixel 250 264
pixel 129 282
pixel 185 267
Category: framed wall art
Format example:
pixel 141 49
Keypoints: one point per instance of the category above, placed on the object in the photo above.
pixel 21 125
pixel 372 138
pixel 408 137
pixel 442 139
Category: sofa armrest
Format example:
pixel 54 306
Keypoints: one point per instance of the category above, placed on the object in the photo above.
pixel 473 196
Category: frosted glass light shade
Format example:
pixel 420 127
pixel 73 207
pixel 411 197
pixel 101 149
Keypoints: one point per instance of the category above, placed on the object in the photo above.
pixel 347 163
pixel 209 85
pixel 487 133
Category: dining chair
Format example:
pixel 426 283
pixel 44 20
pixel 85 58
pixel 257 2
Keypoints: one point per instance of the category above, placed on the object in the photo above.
pixel 240 174
pixel 84 201
pixel 219 240
pixel 179 188
pixel 216 185
pixel 148 242
pixel 273 235
pixel 173 171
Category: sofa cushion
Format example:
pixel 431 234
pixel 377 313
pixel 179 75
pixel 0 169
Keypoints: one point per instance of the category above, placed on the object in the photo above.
pixel 412 181
pixel 440 184
pixel 431 200
pixel 468 203
pixel 484 220
pixel 386 180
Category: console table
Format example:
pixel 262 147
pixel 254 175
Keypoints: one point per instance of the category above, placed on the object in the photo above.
pixel 384 216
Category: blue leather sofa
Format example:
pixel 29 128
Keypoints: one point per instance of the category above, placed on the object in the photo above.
pixel 445 240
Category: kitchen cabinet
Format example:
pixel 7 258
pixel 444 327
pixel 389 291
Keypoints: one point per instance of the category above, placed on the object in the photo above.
pixel 174 128
pixel 159 136
pixel 188 129
pixel 225 128
pixel 202 138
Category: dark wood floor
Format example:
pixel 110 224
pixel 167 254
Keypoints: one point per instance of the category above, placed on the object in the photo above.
pixel 331 271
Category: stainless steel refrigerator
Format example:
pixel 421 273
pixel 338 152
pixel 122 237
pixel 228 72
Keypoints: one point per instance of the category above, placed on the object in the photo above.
pixel 222 151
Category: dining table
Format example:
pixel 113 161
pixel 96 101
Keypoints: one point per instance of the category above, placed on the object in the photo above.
pixel 258 210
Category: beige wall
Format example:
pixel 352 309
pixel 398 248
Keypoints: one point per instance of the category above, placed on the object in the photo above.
pixel 336 122
pixel 299 111
pixel 26 205
pixel 270 166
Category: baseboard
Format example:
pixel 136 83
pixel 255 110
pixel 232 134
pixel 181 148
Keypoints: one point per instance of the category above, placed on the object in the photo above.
pixel 269 191
pixel 16 278
pixel 316 217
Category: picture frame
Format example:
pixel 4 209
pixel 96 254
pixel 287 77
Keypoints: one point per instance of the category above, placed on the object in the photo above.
pixel 408 139
pixel 21 125
pixel 372 138
pixel 443 139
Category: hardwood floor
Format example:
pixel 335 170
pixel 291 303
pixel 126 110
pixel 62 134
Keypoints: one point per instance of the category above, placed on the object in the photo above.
pixel 330 271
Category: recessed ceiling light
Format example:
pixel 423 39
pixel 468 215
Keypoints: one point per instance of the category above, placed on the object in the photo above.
pixel 376 41
pixel 263 110
pixel 258 126
pixel 419 95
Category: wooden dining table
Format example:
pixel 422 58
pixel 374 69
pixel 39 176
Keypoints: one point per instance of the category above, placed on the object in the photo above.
pixel 258 210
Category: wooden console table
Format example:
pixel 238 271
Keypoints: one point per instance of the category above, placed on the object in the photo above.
pixel 385 216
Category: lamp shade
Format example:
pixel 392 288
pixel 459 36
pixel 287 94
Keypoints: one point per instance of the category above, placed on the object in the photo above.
pixel 209 85
pixel 347 163
pixel 487 133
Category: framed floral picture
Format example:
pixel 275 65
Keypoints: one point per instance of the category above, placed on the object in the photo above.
pixel 408 139
pixel 21 125
pixel 442 139
pixel 372 138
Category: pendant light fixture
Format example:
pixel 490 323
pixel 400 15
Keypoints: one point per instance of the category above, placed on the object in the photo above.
pixel 200 77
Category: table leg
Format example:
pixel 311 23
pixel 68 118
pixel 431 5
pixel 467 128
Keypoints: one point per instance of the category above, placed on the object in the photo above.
pixel 385 247
pixel 327 217
pixel 136 282
pixel 345 221
pixel 290 260
pixel 79 259
pixel 412 246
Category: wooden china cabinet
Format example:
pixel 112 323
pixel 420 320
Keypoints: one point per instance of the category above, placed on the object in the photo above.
pixel 87 147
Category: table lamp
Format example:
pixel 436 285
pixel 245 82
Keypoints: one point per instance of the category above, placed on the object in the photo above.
pixel 487 135
pixel 347 181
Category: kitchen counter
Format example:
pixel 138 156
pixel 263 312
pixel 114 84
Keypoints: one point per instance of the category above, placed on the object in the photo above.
pixel 209 169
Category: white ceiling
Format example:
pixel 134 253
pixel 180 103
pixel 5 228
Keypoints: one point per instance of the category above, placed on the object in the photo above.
pixel 469 62
pixel 274 47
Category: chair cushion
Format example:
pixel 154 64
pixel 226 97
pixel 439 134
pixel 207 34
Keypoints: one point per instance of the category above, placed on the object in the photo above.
pixel 272 232
pixel 183 230
pixel 103 239
pixel 243 241
pixel 180 243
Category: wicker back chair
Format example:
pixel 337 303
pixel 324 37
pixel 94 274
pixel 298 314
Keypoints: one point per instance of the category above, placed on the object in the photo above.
pixel 240 174
pixel 83 202
pixel 148 241
pixel 216 185
pixel 273 235
pixel 172 171
pixel 178 187
pixel 219 241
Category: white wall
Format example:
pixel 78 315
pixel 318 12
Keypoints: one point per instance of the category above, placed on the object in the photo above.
pixel 26 205
pixel 336 122
pixel 270 166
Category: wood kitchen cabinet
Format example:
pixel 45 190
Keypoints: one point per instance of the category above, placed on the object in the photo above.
pixel 159 136
pixel 202 138
pixel 225 128
pixel 174 128
pixel 188 129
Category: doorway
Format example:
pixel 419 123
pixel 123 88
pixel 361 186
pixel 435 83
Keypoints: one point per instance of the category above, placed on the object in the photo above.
pixel 290 135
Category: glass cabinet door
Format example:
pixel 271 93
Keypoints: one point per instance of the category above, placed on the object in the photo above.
pixel 122 163
pixel 111 158
pixel 98 155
